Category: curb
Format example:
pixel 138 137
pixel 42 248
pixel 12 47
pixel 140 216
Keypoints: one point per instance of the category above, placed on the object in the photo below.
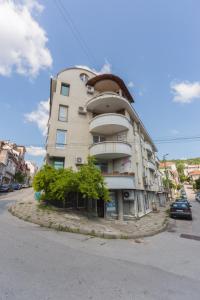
pixel 84 231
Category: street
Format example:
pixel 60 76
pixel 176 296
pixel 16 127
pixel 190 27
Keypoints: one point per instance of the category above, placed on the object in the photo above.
pixel 37 263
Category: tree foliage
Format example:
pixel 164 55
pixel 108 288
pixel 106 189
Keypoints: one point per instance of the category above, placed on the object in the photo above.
pixel 197 184
pixel 57 184
pixel 91 182
pixel 19 177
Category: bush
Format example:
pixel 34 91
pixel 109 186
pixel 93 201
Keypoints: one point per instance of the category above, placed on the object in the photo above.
pixel 57 184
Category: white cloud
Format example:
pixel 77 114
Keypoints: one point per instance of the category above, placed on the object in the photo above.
pixel 23 41
pixel 130 84
pixel 105 69
pixel 35 151
pixel 40 116
pixel 186 92
pixel 174 131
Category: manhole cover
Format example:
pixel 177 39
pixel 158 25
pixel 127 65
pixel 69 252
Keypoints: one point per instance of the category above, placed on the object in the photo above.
pixel 190 237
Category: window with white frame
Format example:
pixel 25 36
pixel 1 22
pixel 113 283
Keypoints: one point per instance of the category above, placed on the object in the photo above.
pixel 98 138
pixel 64 89
pixel 61 138
pixel 63 113
pixel 84 77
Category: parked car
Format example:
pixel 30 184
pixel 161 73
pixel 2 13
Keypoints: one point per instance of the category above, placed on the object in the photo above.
pixel 184 199
pixel 25 185
pixel 16 186
pixel 181 209
pixel 197 197
pixel 6 188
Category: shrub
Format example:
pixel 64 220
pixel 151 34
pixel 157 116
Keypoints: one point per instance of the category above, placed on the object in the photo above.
pixel 57 184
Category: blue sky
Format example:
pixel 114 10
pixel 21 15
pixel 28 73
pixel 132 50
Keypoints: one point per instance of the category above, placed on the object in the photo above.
pixel 153 45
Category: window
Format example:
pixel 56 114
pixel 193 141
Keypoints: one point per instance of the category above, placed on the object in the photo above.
pixel 59 162
pixel 64 89
pixel 84 77
pixel 103 167
pixel 63 113
pixel 61 137
pixel 98 139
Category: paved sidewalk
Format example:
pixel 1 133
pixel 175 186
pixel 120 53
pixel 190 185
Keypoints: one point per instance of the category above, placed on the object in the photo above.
pixel 148 225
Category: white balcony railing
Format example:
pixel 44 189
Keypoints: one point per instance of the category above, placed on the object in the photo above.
pixel 109 123
pixel 151 166
pixel 148 147
pixel 110 149
pixel 107 102
pixel 117 182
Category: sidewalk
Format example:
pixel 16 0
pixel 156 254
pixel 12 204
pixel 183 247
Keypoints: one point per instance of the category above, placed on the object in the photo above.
pixel 148 225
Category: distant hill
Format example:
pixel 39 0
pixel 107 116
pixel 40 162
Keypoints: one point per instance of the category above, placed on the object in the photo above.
pixel 190 161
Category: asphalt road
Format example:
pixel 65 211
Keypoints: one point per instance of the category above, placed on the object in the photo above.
pixel 37 263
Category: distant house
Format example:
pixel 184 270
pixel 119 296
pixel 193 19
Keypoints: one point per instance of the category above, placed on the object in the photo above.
pixel 11 161
pixel 194 175
pixel 190 168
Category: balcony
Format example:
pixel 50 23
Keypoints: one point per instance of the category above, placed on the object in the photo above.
pixel 151 166
pixel 10 169
pixel 148 147
pixel 110 150
pixel 110 123
pixel 107 102
pixel 120 181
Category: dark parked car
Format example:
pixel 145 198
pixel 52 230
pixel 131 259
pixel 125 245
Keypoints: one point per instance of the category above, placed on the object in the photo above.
pixel 181 209
pixel 16 186
pixel 6 188
pixel 184 199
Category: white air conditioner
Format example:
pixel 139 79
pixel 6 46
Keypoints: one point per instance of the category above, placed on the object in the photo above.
pixel 128 195
pixel 79 161
pixel 90 90
pixel 82 110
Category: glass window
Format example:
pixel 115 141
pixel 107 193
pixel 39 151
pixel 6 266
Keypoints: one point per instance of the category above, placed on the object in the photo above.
pixel 64 89
pixel 63 113
pixel 98 138
pixel 103 167
pixel 58 163
pixel 84 77
pixel 61 137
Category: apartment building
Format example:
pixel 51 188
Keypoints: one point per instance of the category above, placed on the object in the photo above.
pixel 11 161
pixel 94 115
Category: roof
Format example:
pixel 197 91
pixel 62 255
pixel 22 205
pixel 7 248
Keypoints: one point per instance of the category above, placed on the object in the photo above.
pixel 115 78
pixel 196 172
pixel 166 164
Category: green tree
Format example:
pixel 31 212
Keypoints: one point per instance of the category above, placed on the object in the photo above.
pixel 44 179
pixel 19 177
pixel 91 182
pixel 57 184
pixel 197 184
pixel 180 168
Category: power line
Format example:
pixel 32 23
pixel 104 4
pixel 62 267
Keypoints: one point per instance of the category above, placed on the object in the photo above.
pixel 74 29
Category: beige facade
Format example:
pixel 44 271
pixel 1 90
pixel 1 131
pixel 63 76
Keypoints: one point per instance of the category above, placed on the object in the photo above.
pixel 94 115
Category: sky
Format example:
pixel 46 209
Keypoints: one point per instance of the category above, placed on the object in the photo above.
pixel 152 45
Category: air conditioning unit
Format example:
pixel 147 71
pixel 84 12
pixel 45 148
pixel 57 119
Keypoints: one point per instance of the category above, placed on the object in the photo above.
pixel 79 161
pixel 90 90
pixel 128 195
pixel 82 110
